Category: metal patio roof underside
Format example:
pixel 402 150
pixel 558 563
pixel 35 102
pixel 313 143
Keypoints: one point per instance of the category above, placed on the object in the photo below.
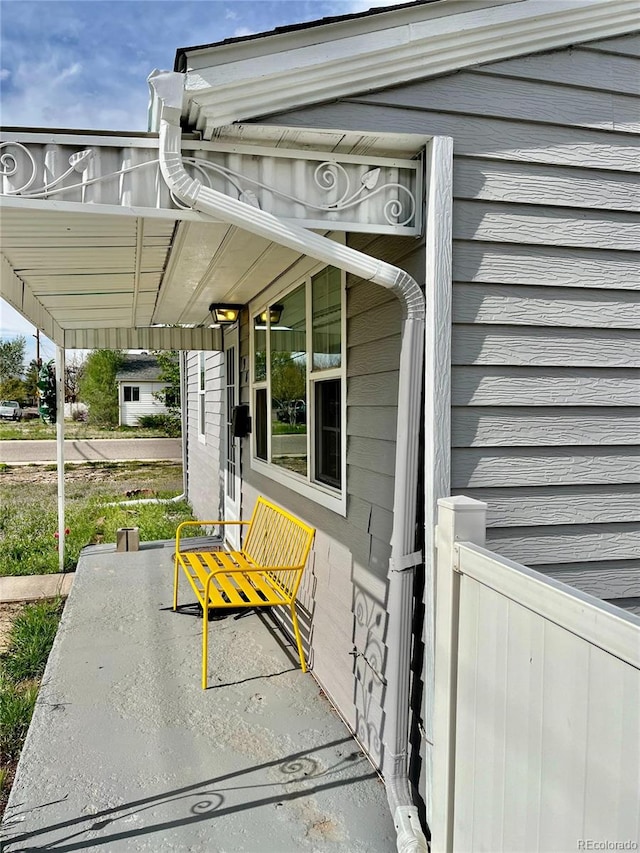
pixel 113 262
pixel 102 280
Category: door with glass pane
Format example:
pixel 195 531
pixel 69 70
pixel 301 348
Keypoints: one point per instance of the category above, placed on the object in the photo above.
pixel 231 444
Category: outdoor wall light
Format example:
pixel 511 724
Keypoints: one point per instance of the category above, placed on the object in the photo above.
pixel 274 313
pixel 225 315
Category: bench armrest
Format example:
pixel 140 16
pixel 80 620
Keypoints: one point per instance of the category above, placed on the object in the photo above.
pixel 202 524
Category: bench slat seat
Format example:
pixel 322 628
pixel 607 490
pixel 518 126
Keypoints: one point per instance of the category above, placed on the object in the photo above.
pixel 265 572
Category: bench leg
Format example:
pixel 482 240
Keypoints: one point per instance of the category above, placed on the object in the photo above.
pixel 176 571
pixel 205 642
pixel 296 629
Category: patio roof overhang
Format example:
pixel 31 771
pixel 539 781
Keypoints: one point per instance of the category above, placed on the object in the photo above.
pixel 97 253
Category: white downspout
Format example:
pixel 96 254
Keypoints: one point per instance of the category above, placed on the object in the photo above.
pixel 169 89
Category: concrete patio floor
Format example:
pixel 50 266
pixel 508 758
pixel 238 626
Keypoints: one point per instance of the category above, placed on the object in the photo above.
pixel 126 752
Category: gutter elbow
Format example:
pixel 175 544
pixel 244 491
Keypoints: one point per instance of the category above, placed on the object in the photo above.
pixel 409 835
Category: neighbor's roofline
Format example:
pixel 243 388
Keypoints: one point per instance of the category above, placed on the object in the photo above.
pixel 282 70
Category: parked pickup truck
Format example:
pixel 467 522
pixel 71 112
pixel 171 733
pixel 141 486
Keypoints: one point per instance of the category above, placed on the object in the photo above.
pixel 10 410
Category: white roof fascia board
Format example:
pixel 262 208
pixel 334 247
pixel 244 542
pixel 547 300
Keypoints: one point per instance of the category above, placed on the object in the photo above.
pixel 48 205
pixel 407 144
pixel 222 94
pixel 81 138
pixel 315 32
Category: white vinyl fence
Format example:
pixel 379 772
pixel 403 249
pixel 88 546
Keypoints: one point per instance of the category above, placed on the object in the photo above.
pixel 537 705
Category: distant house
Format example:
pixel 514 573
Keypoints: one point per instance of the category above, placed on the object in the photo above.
pixel 138 382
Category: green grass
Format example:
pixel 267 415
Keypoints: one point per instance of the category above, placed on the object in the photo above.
pixel 288 429
pixel 29 520
pixel 21 668
pixel 16 709
pixel 31 638
pixel 36 429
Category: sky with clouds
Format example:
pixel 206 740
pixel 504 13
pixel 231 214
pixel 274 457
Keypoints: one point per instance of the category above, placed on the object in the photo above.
pixel 84 63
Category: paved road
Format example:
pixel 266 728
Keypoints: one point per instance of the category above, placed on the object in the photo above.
pixel 92 450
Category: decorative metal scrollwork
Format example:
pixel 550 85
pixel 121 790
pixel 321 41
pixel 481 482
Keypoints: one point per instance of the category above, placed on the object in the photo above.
pixel 78 162
pixel 10 164
pixel 329 177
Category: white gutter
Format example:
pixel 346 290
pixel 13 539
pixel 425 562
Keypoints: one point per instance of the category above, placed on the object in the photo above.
pixel 169 89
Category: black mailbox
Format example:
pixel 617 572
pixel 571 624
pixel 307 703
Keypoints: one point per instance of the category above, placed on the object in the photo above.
pixel 240 421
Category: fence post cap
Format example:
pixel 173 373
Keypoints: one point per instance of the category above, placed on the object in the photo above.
pixel 461 503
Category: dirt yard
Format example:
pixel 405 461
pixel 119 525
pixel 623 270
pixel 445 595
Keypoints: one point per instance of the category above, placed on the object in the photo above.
pixel 125 476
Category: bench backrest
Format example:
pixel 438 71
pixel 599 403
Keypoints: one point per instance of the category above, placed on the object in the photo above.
pixel 280 541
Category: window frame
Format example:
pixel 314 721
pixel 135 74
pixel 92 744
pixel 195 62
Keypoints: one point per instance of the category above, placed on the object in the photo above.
pixel 202 387
pixel 331 497
pixel 131 389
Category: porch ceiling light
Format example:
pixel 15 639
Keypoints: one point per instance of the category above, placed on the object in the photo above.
pixel 224 315
pixel 274 313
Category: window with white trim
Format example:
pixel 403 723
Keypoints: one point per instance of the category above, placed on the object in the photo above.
pixel 131 393
pixel 298 386
pixel 202 421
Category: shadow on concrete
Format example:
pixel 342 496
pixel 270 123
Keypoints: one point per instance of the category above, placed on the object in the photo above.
pixel 209 804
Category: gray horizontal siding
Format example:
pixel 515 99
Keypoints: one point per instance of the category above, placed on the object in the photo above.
pixel 371 390
pixel 372 422
pixel 471 93
pixel 499 222
pixel 375 325
pixel 610 579
pixel 372 454
pixel 622 45
pixel 550 266
pixel 527 386
pixel 534 427
pixel 537 184
pixel 546 303
pixel 543 347
pixel 580 67
pixel 376 356
pixel 506 466
pixel 553 504
pixel 203 482
pixel 632 604
pixel 479 136
pixel 546 310
pixel 571 544
pixel 525 305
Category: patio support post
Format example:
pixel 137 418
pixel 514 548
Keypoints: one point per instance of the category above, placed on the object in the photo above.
pixel 60 364
pixel 169 89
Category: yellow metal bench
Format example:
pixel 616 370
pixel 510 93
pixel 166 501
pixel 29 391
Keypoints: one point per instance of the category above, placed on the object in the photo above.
pixel 265 572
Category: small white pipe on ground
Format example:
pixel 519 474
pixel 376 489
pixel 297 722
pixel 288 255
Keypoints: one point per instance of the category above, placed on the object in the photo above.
pixel 137 502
